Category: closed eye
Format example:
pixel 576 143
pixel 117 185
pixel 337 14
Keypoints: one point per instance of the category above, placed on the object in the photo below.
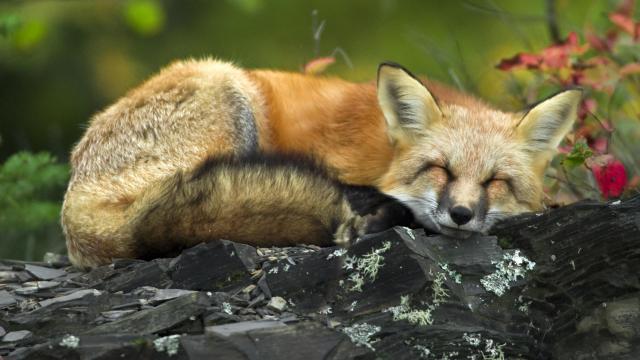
pixel 430 166
pixel 497 180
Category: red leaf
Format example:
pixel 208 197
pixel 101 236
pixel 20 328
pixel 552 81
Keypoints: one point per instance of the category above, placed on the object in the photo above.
pixel 557 56
pixel 577 77
pixel 596 42
pixel 624 22
pixel 629 69
pixel 587 106
pixel 626 7
pixel 622 17
pixel 319 65
pixel 565 149
pixel 603 44
pixel 611 178
pixel 599 145
pixel 572 39
pixel 510 63
pixel 529 61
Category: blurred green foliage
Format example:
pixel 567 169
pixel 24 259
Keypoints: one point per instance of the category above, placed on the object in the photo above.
pixel 30 186
pixel 146 17
pixel 62 61
pixel 8 23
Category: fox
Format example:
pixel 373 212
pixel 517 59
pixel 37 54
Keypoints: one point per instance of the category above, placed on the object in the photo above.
pixel 203 149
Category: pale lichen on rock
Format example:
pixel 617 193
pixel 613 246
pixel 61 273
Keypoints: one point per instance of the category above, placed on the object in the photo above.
pixel 70 341
pixel 413 316
pixel 169 344
pixel 365 267
pixel 360 334
pixel 512 267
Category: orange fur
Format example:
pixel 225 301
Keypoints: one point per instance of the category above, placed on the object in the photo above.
pixel 330 118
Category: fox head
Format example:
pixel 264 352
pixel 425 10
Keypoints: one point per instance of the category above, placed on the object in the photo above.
pixel 461 168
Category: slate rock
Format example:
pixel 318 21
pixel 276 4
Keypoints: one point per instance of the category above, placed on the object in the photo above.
pixel 137 274
pixel 26 290
pixel 96 277
pixel 309 284
pixel 401 271
pixel 155 296
pixel 211 266
pixel 41 285
pixel 264 286
pixel 69 297
pixel 116 314
pixel 204 347
pixel 94 347
pixel 583 304
pixel 277 303
pixel 322 280
pixel 246 253
pixel 73 316
pixel 44 273
pixel 15 336
pixel 6 299
pixel 306 340
pixel 242 327
pixel 8 276
pixel 157 319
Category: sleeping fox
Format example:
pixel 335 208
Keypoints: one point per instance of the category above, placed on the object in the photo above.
pixel 188 156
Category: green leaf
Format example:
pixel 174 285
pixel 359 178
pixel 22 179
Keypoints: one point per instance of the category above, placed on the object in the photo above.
pixel 8 24
pixel 29 34
pixel 578 155
pixel 146 17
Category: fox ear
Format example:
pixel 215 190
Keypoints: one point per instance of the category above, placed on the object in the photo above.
pixel 407 105
pixel 546 124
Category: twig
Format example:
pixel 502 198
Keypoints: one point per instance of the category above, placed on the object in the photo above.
pixel 607 130
pixel 316 29
pixel 344 55
pixel 552 21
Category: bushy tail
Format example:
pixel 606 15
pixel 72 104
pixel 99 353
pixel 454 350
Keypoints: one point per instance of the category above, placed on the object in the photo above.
pixel 263 201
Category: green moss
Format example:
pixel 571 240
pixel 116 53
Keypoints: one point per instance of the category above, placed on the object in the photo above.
pixel 140 342
pixel 505 242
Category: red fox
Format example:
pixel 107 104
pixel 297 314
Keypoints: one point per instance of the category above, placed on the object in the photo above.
pixel 147 175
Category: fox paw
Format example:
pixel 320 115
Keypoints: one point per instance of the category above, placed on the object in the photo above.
pixel 349 232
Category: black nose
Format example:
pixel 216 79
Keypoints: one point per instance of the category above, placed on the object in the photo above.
pixel 460 214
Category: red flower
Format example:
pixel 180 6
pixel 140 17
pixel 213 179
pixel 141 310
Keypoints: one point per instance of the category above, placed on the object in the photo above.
pixel 611 178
